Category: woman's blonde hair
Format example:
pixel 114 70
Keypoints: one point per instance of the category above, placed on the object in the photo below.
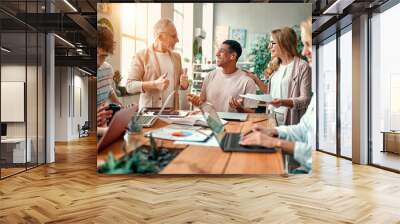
pixel 161 26
pixel 273 65
pixel 306 27
pixel 286 38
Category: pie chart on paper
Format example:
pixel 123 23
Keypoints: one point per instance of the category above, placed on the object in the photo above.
pixel 181 133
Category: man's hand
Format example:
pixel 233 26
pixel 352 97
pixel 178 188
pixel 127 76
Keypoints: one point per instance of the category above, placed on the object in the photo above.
pixel 184 80
pixel 236 103
pixel 161 83
pixel 103 115
pixel 195 100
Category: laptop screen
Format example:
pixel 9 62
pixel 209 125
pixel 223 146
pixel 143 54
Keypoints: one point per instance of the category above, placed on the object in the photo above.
pixel 213 120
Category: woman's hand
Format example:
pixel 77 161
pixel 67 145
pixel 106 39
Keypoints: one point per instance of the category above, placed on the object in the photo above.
pixel 252 76
pixel 259 128
pixel 103 115
pixel 259 138
pixel 276 102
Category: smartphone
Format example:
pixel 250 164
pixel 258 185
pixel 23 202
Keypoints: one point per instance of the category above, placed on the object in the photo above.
pixel 114 107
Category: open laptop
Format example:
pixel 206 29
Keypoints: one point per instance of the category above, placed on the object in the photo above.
pixel 148 120
pixel 117 127
pixel 229 142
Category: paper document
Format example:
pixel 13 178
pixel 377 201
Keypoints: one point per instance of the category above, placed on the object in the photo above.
pixel 179 135
pixel 265 97
pixel 181 126
pixel 192 120
pixel 210 142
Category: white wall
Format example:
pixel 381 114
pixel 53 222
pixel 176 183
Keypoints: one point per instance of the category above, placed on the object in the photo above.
pixel 68 81
pixel 260 17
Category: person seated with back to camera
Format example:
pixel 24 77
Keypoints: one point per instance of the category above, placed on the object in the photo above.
pixel 223 85
pixel 105 73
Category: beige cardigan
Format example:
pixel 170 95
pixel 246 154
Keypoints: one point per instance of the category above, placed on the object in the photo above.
pixel 145 67
pixel 299 91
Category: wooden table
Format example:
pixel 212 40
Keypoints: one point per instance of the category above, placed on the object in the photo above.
pixel 207 160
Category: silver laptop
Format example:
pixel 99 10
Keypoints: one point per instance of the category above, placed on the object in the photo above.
pixel 149 120
pixel 229 142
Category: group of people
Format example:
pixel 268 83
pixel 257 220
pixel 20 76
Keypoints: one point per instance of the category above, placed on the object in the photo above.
pixel 157 72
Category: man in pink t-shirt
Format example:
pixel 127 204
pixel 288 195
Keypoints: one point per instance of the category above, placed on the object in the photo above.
pixel 223 85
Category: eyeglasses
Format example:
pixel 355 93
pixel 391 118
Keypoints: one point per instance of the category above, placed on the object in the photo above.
pixel 271 44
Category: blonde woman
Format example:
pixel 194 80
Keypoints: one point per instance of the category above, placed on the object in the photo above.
pixel 296 140
pixel 290 82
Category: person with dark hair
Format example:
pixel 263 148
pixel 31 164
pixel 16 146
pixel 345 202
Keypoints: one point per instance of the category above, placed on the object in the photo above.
pixel 105 73
pixel 223 85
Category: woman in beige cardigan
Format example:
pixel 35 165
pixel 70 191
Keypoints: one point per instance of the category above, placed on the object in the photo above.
pixel 157 71
pixel 292 75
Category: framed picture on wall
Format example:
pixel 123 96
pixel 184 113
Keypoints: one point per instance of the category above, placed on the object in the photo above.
pixel 239 35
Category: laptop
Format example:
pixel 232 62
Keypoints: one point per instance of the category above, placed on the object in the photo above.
pixel 117 127
pixel 229 142
pixel 149 120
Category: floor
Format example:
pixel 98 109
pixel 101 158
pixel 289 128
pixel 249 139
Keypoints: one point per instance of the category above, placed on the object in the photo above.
pixel 70 191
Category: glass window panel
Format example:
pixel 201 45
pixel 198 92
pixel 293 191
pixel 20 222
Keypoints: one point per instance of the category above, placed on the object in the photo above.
pixel 31 101
pixel 346 94
pixel 384 88
pixel 13 81
pixel 128 12
pixel 327 96
pixel 141 21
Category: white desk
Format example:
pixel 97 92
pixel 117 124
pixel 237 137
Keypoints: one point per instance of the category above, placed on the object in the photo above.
pixel 18 149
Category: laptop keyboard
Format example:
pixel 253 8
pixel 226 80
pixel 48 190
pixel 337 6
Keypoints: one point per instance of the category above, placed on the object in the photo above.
pixel 145 119
pixel 231 140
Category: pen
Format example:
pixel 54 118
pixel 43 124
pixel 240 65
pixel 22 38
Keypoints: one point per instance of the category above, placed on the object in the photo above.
pixel 260 120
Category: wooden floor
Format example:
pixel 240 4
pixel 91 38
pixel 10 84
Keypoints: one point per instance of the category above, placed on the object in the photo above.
pixel 70 191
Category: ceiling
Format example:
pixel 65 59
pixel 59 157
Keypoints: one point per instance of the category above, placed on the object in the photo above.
pixel 76 26
pixel 330 15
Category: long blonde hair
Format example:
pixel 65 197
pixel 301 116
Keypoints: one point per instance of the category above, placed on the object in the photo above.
pixel 286 39
pixel 306 27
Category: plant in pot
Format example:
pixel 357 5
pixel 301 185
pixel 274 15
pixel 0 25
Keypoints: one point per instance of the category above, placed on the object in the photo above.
pixel 144 160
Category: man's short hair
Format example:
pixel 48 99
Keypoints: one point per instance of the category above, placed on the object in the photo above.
pixel 105 39
pixel 161 26
pixel 234 46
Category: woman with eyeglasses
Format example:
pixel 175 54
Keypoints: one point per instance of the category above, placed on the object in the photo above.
pixel 295 140
pixel 290 81
pixel 157 71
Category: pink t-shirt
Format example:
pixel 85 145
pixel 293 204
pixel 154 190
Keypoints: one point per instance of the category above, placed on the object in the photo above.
pixel 219 87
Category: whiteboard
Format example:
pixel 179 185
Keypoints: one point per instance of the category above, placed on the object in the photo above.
pixel 12 101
